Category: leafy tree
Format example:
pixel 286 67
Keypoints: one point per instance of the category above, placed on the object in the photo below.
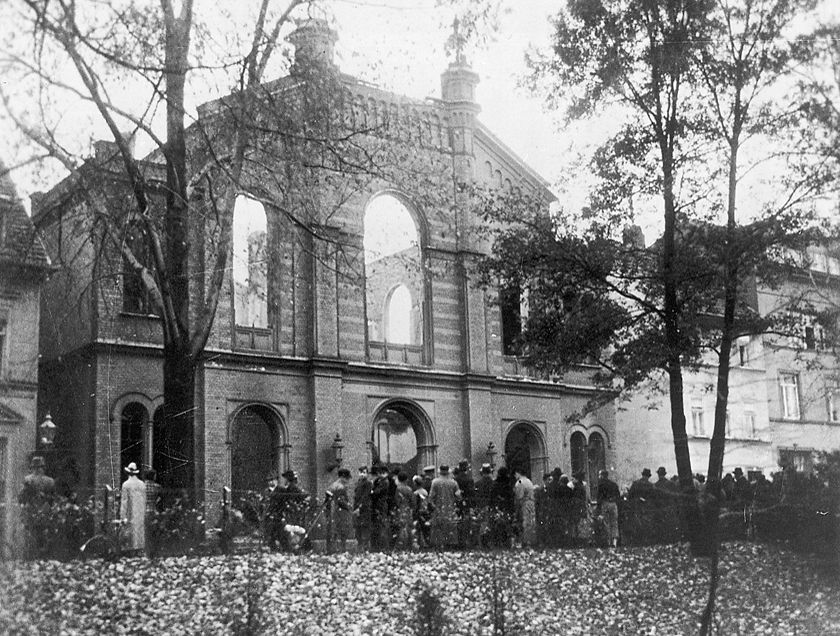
pixel 174 232
pixel 694 86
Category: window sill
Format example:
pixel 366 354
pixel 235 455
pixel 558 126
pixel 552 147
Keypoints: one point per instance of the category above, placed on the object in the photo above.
pixel 132 314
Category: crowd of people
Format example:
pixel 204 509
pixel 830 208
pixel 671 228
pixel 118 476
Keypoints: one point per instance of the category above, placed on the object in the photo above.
pixel 386 509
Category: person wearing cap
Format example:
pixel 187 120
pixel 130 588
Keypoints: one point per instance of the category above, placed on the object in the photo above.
pixel 443 498
pixel 133 510
pixel 362 509
pixel 641 488
pixel 428 476
pixel 340 510
pixel 421 512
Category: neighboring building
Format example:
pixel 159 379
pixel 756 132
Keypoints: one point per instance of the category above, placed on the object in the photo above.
pixel 405 364
pixel 784 391
pixel 23 267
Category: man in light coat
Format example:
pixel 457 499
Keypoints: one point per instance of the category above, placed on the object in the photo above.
pixel 133 510
pixel 443 501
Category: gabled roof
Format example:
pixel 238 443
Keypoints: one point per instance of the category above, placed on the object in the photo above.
pixel 9 416
pixel 19 243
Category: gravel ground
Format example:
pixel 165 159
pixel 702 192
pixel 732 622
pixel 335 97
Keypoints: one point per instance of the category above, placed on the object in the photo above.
pixel 651 590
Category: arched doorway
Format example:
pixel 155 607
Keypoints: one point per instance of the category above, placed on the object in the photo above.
pixel 133 421
pixel 402 436
pixel 255 440
pixel 525 450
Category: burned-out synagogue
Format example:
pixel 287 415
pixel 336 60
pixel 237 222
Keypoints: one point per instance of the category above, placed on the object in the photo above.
pixel 362 334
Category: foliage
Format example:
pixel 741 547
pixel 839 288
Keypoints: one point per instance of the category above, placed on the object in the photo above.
pixel 178 529
pixel 430 617
pixel 56 529
pixel 656 589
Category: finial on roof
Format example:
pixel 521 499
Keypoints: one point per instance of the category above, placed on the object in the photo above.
pixel 459 41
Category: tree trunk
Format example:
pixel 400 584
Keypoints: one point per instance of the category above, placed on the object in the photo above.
pixel 178 471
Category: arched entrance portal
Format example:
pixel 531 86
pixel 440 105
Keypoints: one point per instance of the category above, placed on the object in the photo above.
pixel 256 434
pixel 525 450
pixel 402 436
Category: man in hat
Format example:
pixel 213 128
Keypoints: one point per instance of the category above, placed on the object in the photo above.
pixel 608 496
pixel 428 477
pixel 526 512
pixel 464 479
pixel 641 488
pixel 273 510
pixel 37 486
pixel 483 495
pixel 663 483
pixel 133 510
pixel 381 521
pixel 362 509
pixel 443 498
pixel 340 509
pixel 741 487
pixel 296 498
pixel 36 497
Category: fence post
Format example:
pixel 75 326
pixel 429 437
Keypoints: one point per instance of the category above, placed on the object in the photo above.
pixel 108 497
pixel 224 536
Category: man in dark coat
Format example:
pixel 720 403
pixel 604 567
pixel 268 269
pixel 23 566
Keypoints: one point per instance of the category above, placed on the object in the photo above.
pixel 466 529
pixel 483 496
pixel 363 509
pixel 663 483
pixel 381 520
pixel 642 488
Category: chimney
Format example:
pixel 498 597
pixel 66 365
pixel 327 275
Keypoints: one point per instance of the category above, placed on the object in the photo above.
pixel 314 43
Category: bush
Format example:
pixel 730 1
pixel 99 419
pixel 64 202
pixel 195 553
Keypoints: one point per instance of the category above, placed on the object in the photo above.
pixel 56 529
pixel 178 529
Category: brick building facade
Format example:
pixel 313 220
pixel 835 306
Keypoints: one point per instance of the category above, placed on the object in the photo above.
pixel 23 267
pixel 273 393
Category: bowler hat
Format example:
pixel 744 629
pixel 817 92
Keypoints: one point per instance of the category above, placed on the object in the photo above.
pixel 463 465
pixel 661 470
pixel 131 469
pixel 646 472
pixel 444 469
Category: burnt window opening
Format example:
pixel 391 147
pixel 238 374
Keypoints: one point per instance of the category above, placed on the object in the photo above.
pixel 250 263
pixel 514 310
pixel 136 298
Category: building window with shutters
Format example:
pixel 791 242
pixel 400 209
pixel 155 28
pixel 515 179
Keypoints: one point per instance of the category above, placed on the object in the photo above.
pixel 789 386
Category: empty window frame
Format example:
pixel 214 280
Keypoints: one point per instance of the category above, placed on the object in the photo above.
pixel 789 388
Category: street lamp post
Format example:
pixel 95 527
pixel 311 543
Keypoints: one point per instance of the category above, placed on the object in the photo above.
pixel 491 455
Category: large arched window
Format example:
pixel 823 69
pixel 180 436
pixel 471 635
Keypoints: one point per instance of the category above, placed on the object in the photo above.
pixel 136 299
pixel 394 284
pixel 250 263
